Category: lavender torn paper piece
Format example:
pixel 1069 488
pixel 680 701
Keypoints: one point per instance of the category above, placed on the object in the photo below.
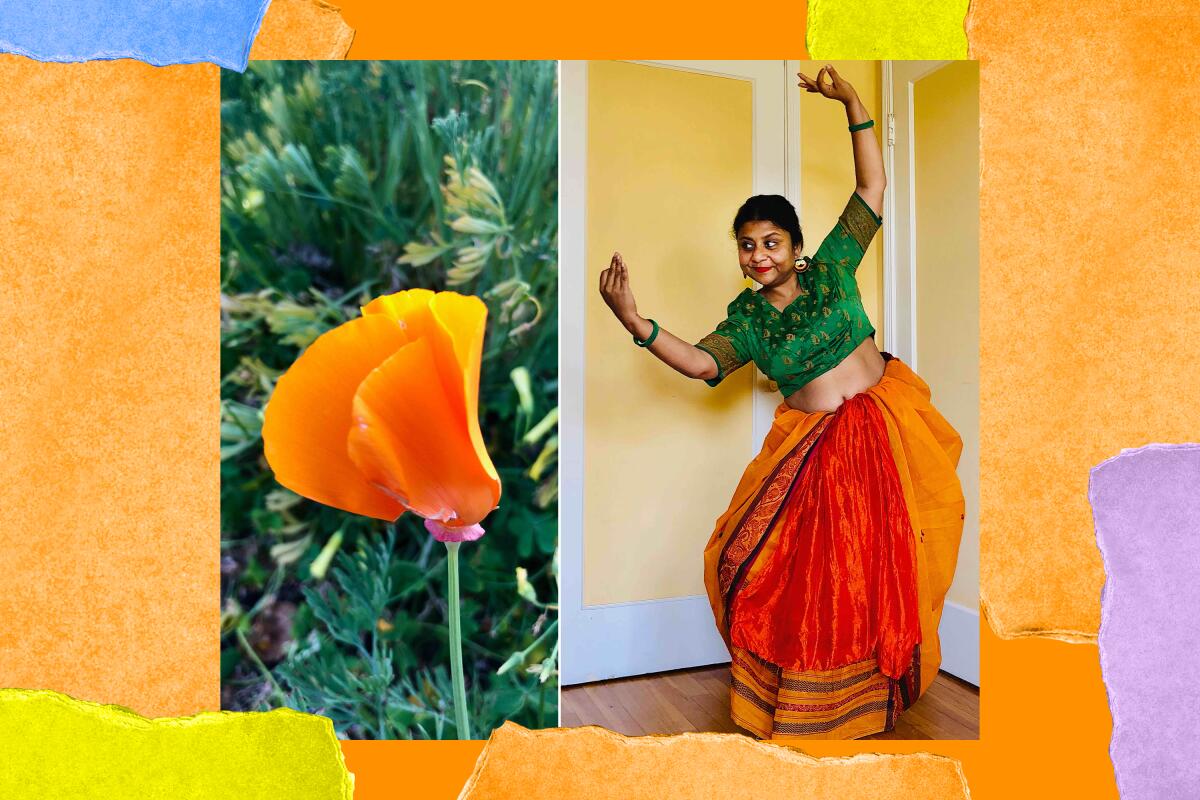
pixel 159 32
pixel 1146 507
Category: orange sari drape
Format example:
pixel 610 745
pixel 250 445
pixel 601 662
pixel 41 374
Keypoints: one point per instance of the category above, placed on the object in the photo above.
pixel 828 571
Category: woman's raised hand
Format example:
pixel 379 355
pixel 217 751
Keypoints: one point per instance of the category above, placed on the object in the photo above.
pixel 668 348
pixel 614 288
pixel 836 88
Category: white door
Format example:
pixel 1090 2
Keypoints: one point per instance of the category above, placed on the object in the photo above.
pixel 603 635
pixel 931 286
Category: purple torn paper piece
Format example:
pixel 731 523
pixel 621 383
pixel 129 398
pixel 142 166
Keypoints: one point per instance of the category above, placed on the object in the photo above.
pixel 159 32
pixel 1146 506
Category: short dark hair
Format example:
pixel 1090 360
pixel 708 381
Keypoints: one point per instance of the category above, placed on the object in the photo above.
pixel 771 208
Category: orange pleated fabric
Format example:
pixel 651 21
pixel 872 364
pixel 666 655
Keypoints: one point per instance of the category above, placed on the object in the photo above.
pixel 828 571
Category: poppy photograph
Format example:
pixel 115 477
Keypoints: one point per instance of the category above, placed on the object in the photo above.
pixel 389 395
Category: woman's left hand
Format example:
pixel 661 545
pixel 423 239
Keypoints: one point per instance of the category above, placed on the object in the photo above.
pixel 837 87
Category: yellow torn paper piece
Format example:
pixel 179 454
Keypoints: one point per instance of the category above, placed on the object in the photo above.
pixel 892 29
pixel 302 29
pixel 57 747
pixel 597 764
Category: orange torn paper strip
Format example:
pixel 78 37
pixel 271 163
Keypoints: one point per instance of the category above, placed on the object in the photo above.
pixel 302 29
pixel 55 746
pixel 596 764
pixel 110 351
pixel 1067 374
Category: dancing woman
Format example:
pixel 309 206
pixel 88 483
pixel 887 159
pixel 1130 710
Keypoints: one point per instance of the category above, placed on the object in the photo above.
pixel 828 570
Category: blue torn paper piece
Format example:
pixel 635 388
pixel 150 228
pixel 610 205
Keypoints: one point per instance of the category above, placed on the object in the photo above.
pixel 159 32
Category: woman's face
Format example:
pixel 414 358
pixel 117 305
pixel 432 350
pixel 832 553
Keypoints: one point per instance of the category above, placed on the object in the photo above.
pixel 766 253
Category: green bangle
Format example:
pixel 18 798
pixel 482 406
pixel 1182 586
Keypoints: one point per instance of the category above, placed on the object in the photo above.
pixel 649 339
pixel 862 126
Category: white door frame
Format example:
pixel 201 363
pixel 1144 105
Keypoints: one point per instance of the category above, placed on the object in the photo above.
pixel 959 630
pixel 899 214
pixel 618 639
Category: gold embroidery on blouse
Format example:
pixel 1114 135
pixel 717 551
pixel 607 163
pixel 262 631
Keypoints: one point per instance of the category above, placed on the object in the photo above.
pixel 858 222
pixel 721 349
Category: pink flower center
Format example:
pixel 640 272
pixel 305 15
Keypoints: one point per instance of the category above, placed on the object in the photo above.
pixel 467 533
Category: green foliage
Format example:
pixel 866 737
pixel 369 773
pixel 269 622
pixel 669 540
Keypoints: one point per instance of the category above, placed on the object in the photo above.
pixel 340 182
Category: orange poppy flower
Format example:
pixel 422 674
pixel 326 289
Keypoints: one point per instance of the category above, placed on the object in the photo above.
pixel 381 415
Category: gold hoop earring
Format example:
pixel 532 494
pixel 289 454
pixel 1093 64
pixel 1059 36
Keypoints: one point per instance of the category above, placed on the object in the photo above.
pixel 801 264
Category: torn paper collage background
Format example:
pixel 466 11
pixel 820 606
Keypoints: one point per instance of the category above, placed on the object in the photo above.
pixel 110 354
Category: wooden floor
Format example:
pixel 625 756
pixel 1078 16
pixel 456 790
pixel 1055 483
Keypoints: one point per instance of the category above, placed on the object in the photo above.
pixel 698 700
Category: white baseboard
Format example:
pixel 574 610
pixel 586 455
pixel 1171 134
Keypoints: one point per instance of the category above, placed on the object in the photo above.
pixel 959 634
pixel 627 639
pixel 615 641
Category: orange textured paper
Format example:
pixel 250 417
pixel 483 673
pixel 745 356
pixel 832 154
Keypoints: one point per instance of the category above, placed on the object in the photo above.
pixel 302 29
pixel 109 351
pixel 596 763
pixel 1089 289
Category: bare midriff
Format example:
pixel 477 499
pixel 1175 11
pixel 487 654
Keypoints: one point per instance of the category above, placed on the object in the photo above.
pixel 857 372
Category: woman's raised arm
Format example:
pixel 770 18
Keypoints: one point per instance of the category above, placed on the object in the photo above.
pixel 668 348
pixel 869 177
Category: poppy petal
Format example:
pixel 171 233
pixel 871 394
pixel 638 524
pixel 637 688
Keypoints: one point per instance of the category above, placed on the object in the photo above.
pixel 409 439
pixel 308 418
pixel 463 319
pixel 409 307
pixel 413 310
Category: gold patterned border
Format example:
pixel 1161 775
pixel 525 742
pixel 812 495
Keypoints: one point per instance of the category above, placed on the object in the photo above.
pixel 723 352
pixel 843 703
pixel 859 221
pixel 757 520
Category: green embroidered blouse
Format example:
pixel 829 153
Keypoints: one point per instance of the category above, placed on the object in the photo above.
pixel 822 325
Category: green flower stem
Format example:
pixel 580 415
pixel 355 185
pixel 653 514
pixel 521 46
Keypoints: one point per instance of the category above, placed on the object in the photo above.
pixel 248 649
pixel 461 723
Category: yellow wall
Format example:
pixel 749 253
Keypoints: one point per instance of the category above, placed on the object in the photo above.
pixel 827 171
pixel 946 127
pixel 669 162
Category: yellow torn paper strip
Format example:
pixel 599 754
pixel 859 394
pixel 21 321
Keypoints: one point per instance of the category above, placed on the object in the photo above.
pixel 56 747
pixel 302 29
pixel 598 764
pixel 892 29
